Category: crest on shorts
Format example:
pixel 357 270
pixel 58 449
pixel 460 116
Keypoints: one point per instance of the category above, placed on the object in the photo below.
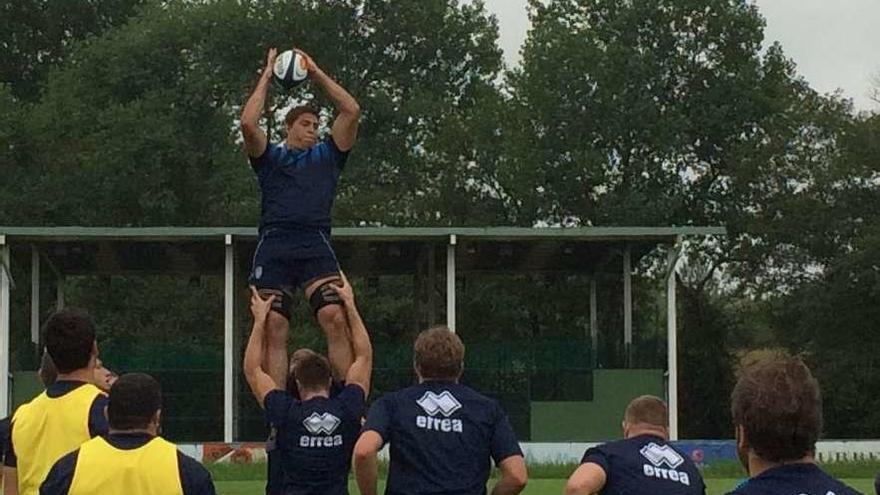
pixel 445 403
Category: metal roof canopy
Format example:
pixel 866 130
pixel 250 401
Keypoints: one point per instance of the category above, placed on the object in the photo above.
pixel 389 250
pixel 594 251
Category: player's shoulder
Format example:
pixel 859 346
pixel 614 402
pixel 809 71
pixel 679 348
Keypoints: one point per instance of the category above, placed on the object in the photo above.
pixel 25 409
pixel 629 445
pixel 468 393
pixel 348 394
pixel 281 398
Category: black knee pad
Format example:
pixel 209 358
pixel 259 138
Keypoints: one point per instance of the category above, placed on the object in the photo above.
pixel 324 295
pixel 283 300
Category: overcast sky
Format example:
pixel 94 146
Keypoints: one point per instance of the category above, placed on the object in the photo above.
pixel 834 43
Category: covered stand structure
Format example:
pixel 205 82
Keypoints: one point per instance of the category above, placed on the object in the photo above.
pixel 437 258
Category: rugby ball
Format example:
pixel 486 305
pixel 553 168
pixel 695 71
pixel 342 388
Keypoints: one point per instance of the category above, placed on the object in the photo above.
pixel 290 70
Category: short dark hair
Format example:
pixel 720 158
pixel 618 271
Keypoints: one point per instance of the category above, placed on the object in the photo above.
pixel 134 399
pixel 311 371
pixel 438 354
pixel 295 112
pixel 70 336
pixel 48 373
pixel 778 403
pixel 647 409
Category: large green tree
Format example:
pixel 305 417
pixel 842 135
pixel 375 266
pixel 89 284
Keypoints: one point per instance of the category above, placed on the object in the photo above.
pixel 35 35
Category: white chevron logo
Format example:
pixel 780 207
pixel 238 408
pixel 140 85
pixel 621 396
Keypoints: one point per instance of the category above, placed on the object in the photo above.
pixel 444 403
pixel 321 423
pixel 658 455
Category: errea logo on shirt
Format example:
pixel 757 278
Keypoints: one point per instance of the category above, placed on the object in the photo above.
pixel 325 423
pixel 445 404
pixel 318 424
pixel 659 456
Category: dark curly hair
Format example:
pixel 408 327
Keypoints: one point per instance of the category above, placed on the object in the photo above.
pixel 779 405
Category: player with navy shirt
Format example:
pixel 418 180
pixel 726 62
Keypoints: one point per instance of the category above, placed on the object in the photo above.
pixel 274 463
pixel 643 463
pixel 315 433
pixel 777 411
pixel 442 435
pixel 298 179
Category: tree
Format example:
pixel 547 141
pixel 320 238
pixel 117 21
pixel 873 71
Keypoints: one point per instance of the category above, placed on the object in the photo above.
pixel 833 316
pixel 667 113
pixel 35 35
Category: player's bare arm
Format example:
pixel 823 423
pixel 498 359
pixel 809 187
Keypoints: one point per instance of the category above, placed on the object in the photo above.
pixel 255 139
pixel 260 382
pixel 514 476
pixel 10 481
pixel 589 478
pixel 366 462
pixel 345 127
pixel 361 368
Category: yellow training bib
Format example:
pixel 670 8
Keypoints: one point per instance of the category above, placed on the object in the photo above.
pixel 148 470
pixel 45 429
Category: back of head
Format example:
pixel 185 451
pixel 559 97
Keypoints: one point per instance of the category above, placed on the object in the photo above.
pixel 438 354
pixel 311 371
pixel 779 405
pixel 134 400
pixel 647 410
pixel 48 373
pixel 70 337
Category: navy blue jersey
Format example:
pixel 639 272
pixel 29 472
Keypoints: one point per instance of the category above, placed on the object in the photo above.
pixel 645 465
pixel 877 484
pixel 275 470
pixel 442 436
pixel 298 185
pixel 194 478
pixel 315 439
pixel 803 478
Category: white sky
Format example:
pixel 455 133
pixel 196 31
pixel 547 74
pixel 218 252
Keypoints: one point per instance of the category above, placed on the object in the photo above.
pixel 834 43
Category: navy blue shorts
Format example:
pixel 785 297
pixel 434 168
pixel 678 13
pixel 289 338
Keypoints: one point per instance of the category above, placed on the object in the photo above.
pixel 292 259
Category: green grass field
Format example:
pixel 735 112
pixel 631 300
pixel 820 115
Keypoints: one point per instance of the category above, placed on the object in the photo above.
pixel 535 487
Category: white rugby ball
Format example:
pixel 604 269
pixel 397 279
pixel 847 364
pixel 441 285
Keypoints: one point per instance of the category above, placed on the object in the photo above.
pixel 290 69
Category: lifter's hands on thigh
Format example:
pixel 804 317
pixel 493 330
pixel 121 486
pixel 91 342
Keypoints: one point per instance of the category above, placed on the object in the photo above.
pixel 343 290
pixel 260 307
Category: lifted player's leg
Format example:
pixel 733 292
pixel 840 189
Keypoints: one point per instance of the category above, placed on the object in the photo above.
pixel 331 316
pixel 275 360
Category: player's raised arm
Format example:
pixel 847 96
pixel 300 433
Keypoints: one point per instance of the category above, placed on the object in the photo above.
pixel 260 382
pixel 361 368
pixel 345 127
pixel 255 139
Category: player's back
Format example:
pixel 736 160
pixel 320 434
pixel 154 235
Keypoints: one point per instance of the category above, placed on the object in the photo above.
pixel 645 465
pixel 315 439
pixel 801 478
pixel 442 438
pixel 56 422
